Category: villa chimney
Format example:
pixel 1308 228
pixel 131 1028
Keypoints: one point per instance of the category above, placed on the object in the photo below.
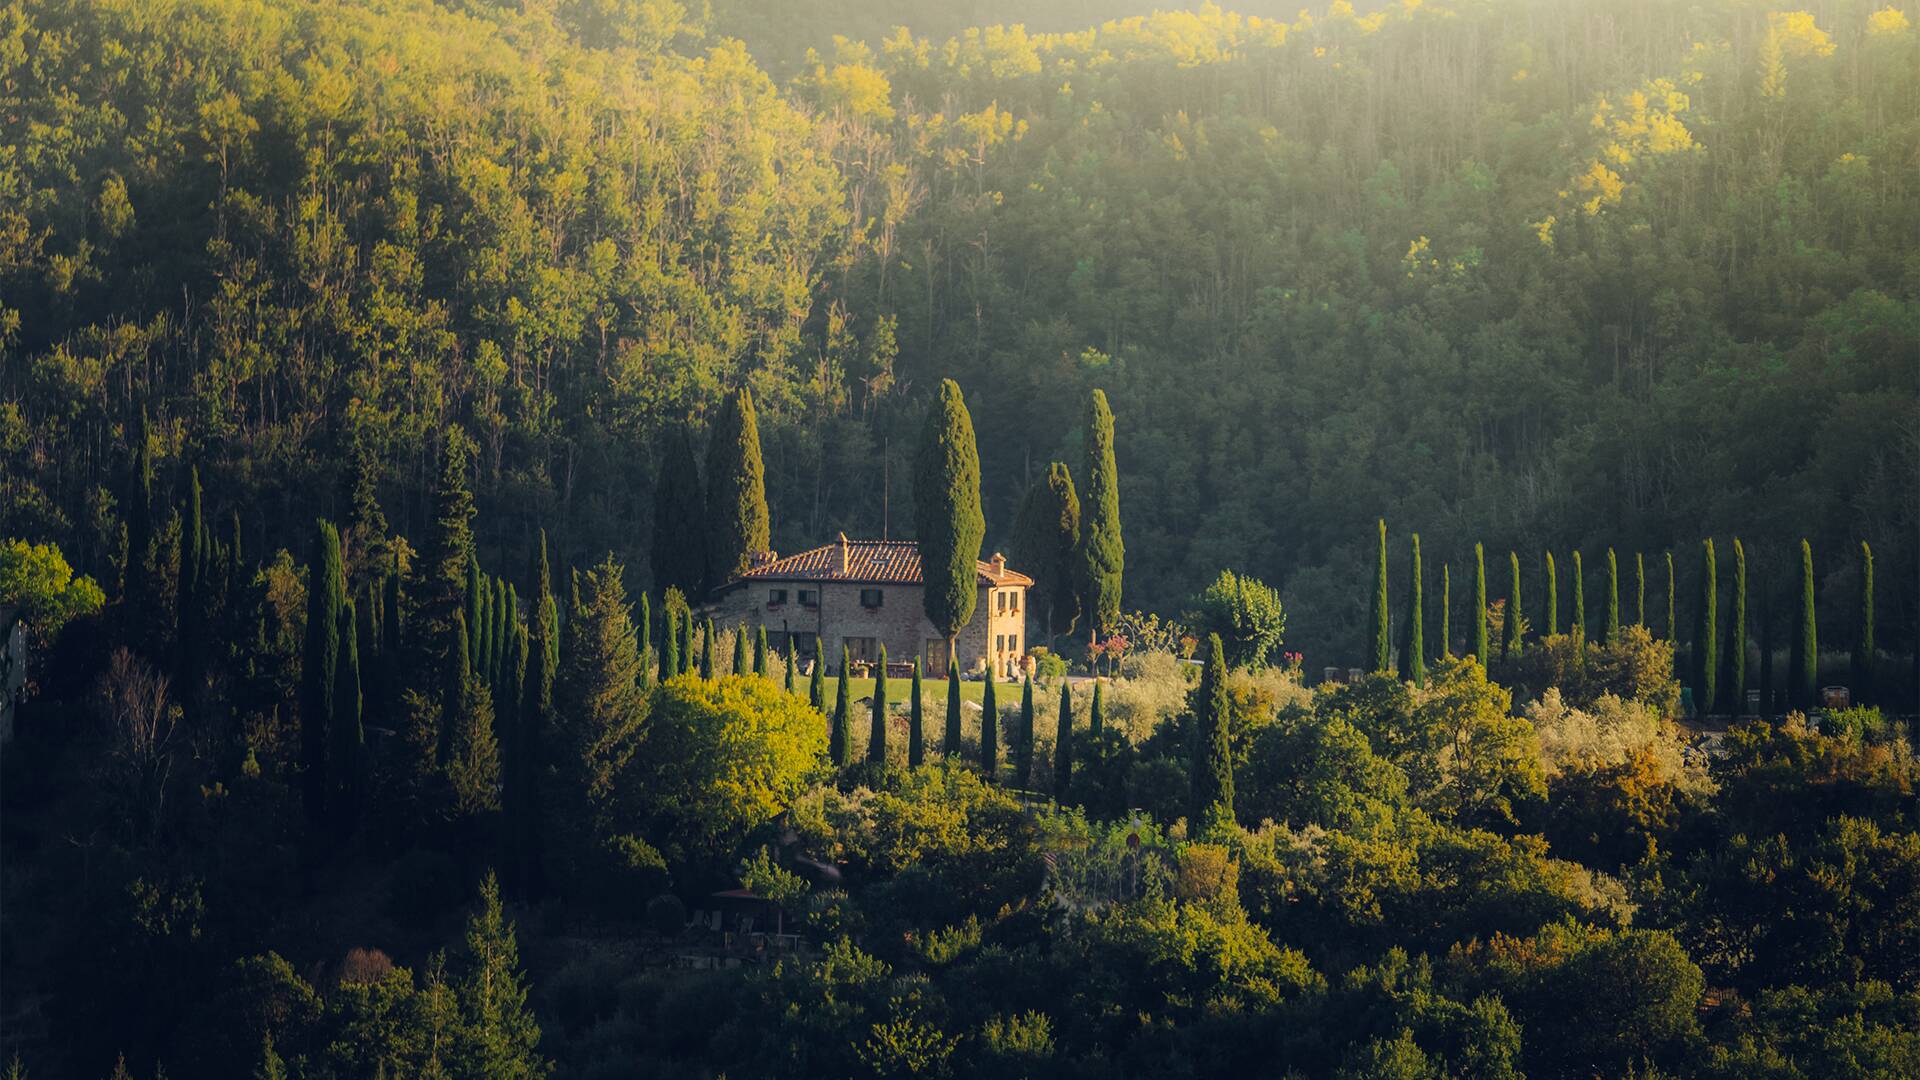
pixel 843 553
pixel 999 564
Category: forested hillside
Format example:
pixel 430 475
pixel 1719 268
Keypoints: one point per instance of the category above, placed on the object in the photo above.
pixel 1600 274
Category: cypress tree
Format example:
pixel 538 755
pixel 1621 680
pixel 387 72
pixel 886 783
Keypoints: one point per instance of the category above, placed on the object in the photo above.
pixel 1706 638
pixel 1103 553
pixel 1063 746
pixel 529 753
pixel 472 748
pixel 193 557
pixel 686 642
pixel 1416 647
pixel 1553 597
pixel 319 665
pixel 1610 631
pixel 950 745
pixel 476 602
pixel 1023 742
pixel 391 638
pixel 501 639
pixel 817 684
pixel 990 730
pixel 1736 684
pixel 1380 650
pixel 1864 645
pixel 370 652
pixel 837 751
pixel 679 520
pixel 790 667
pixel 1212 772
pixel 760 650
pixel 1639 589
pixel 140 515
pixel 1804 670
pixel 877 733
pixel 599 718
pixel 740 660
pixel 706 649
pixel 1446 610
pixel 346 733
pixel 916 721
pixel 645 627
pixel 738 526
pixel 1096 713
pixel 946 510
pixel 1510 642
pixel 1481 647
pixel 669 644
pixel 1672 625
pixel 442 571
pixel 1579 596
pixel 1046 542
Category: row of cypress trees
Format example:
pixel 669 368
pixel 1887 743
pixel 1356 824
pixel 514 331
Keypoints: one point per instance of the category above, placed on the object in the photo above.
pixel 1719 652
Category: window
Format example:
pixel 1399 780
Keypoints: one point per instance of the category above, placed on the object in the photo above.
pixel 1013 643
pixel 1013 602
pixel 937 657
pixel 870 598
pixel 1000 643
pixel 809 598
pixel 862 649
pixel 999 600
pixel 776 597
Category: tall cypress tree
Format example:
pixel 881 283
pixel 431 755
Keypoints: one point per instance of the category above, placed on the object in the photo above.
pixel 1736 684
pixel 1023 740
pixel 345 732
pixel 837 750
pixel 1672 623
pixel 1553 597
pixel 950 744
pixel 1804 671
pixel 1096 713
pixel 1639 589
pixel 738 525
pixel 790 667
pixel 946 511
pixel 1481 646
pixel 1416 646
pixel 392 637
pixel 1864 645
pixel 679 520
pixel 706 649
pixel 319 662
pixel 1103 554
pixel 1212 771
pixel 1610 631
pixel 476 601
pixel 500 639
pixel 740 660
pixel 817 684
pixel 916 722
pixel 1510 642
pixel 1706 638
pixel 1063 746
pixel 1046 543
pixel 193 557
pixel 669 643
pixel 760 650
pixel 140 515
pixel 1769 623
pixel 990 730
pixel 644 625
pixel 1380 647
pixel 1579 595
pixel 877 733
pixel 529 754
pixel 1446 610
pixel 371 652
pixel 441 572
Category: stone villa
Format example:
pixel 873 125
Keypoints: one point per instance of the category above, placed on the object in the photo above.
pixel 867 593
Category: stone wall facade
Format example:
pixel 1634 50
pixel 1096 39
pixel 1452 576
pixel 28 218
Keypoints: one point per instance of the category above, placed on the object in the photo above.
pixel 838 616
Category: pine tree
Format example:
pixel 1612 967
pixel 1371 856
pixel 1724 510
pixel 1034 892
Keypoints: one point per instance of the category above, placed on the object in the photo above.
pixel 1706 638
pixel 679 520
pixel 1610 630
pixel 1416 646
pixel 1672 623
pixel 473 748
pixel 738 526
pixel 1553 597
pixel 1103 552
pixel 1735 700
pixel 1212 771
pixel 1096 713
pixel 319 666
pixel 1579 596
pixel 817 684
pixel 916 721
pixel 442 569
pixel 1481 646
pixel 838 751
pixel 1023 741
pixel 600 706
pixel 504 1037
pixel 1864 645
pixel 1380 650
pixel 946 509
pixel 1446 610
pixel 1804 666
pixel 760 650
pixel 1639 589
pixel 1063 746
pixel 1511 642
pixel 1046 543
pixel 990 729
pixel 877 732
pixel 950 744
pixel 345 730
pixel 706 649
pixel 740 660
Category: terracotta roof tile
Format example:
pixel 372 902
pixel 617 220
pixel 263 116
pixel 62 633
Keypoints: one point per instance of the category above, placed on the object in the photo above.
pixel 885 562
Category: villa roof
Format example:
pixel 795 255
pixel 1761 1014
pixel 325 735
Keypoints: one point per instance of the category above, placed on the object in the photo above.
pixel 876 562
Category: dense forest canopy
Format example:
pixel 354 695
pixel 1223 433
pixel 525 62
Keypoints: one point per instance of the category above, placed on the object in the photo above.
pixel 1578 274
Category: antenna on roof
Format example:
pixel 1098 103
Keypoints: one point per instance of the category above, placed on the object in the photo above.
pixel 886 483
